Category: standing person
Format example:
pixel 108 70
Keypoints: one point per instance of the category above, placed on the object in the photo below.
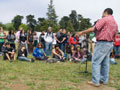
pixel 49 38
pixel 11 38
pixel 91 43
pixel 18 34
pixel 41 38
pixel 72 40
pixel 81 39
pixel 30 41
pixel 117 45
pixel 2 38
pixel 106 28
pixel 63 41
pixel 23 40
pixel 35 38
pixel 58 36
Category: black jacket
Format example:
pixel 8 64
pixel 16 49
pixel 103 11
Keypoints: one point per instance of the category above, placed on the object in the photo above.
pixel 20 53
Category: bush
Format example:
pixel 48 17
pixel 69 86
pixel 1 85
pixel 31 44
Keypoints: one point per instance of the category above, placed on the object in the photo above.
pixel 9 26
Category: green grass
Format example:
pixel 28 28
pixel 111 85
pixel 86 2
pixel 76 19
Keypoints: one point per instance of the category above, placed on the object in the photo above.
pixel 44 76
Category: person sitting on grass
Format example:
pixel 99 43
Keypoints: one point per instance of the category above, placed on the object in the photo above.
pixel 79 55
pixel 112 58
pixel 3 50
pixel 9 53
pixel 70 49
pixel 39 52
pixel 22 54
pixel 58 54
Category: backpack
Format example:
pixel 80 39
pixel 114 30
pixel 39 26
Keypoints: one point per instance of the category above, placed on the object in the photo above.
pixel 52 60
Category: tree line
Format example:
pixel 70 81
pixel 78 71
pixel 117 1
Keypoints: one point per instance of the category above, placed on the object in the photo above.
pixel 73 22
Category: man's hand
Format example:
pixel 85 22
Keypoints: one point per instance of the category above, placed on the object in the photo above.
pixel 80 33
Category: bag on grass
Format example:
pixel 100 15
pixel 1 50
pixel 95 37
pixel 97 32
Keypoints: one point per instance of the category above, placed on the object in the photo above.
pixel 52 60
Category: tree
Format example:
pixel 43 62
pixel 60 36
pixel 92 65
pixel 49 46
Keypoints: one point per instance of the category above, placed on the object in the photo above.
pixel 52 17
pixel 2 25
pixel 17 21
pixel 40 20
pixel 31 22
pixel 74 18
pixel 85 23
pixel 64 22
pixel 24 26
pixel 9 26
pixel 70 26
pixel 42 24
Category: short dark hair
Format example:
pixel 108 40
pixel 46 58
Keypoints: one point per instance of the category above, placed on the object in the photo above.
pixel 56 45
pixel 109 11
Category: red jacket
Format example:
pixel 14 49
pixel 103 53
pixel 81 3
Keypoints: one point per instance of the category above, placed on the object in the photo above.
pixel 117 41
pixel 72 41
pixel 77 39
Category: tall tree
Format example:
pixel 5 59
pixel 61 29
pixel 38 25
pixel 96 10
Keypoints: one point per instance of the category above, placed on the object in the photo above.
pixel 84 24
pixel 31 22
pixel 51 16
pixel 70 26
pixel 42 24
pixel 64 22
pixel 40 20
pixel 74 18
pixel 17 21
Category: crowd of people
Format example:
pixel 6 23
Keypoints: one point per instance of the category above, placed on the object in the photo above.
pixel 61 46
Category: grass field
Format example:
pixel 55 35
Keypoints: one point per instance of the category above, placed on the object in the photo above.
pixel 21 75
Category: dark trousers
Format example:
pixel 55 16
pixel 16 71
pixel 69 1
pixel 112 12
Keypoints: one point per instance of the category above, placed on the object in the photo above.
pixel 1 44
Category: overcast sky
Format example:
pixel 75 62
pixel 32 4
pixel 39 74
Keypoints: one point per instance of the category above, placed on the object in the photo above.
pixel 88 8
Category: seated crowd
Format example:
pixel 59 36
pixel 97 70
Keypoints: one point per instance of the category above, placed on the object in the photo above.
pixel 61 46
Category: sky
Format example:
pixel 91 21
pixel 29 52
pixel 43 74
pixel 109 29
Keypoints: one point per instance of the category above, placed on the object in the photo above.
pixel 88 8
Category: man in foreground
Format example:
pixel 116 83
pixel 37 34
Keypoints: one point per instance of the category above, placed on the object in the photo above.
pixel 105 30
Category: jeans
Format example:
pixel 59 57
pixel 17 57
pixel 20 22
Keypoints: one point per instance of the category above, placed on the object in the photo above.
pixel 23 58
pixel 1 45
pixel 81 61
pixel 63 47
pixel 117 50
pixel 48 49
pixel 100 62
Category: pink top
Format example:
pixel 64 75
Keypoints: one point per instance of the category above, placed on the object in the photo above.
pixel 106 29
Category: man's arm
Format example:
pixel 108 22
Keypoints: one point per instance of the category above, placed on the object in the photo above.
pixel 63 39
pixel 89 30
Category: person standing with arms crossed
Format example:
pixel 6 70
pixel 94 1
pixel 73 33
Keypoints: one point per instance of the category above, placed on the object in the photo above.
pixel 106 28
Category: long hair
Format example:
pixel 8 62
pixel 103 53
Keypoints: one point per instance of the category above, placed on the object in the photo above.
pixel 10 32
pixel 40 44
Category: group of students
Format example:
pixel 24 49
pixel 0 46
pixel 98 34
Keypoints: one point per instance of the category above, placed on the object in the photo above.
pixel 61 46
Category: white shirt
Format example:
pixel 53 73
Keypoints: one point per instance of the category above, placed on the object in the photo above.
pixel 48 38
